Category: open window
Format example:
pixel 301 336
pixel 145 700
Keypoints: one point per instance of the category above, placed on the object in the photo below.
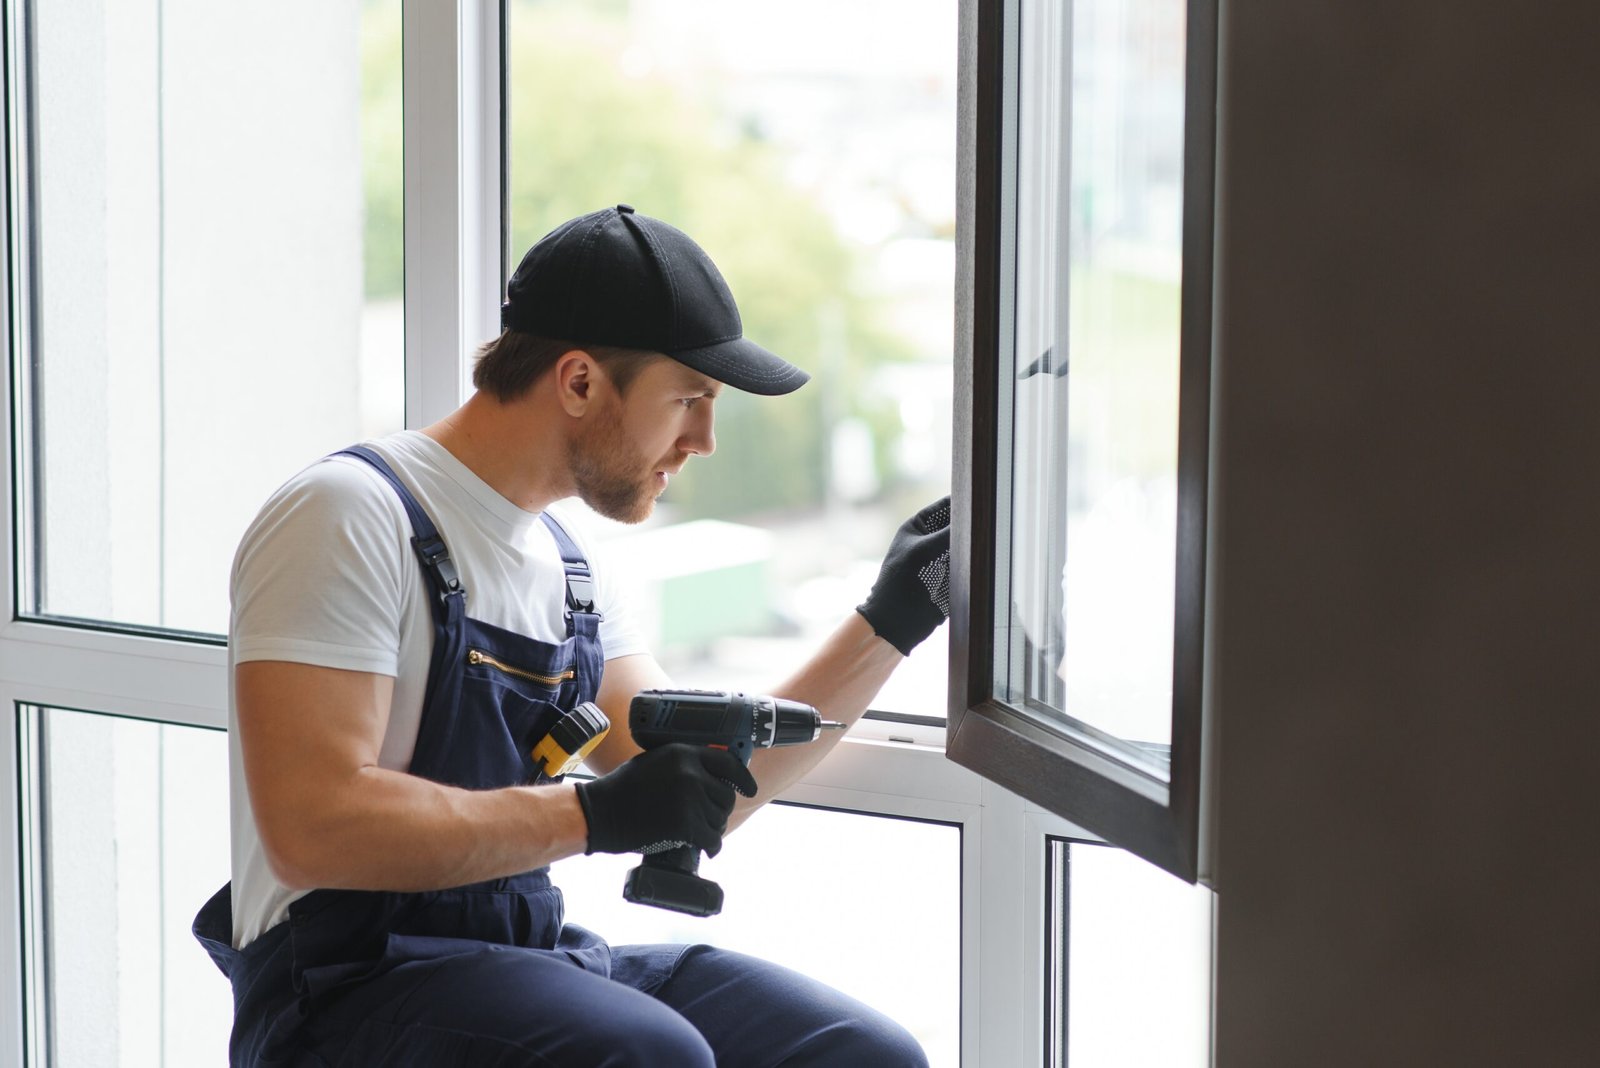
pixel 1083 361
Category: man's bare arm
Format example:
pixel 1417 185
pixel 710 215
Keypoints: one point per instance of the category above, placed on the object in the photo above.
pixel 840 680
pixel 906 605
pixel 329 816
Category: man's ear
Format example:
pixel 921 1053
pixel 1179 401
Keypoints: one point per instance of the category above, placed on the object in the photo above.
pixel 575 380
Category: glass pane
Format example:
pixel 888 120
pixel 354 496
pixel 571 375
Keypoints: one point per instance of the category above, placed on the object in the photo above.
pixel 133 838
pixel 888 889
pixel 1095 451
pixel 215 204
pixel 1139 963
pixel 816 164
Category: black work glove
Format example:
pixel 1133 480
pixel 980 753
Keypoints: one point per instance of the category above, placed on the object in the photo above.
pixel 673 795
pixel 912 595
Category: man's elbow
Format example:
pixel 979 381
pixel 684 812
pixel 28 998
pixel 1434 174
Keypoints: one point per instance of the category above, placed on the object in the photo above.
pixel 292 873
pixel 300 856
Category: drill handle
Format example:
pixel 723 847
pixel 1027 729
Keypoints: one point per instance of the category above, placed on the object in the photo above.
pixel 681 858
pixel 667 880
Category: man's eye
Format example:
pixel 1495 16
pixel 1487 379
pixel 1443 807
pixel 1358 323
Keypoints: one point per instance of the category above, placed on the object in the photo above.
pixel 690 402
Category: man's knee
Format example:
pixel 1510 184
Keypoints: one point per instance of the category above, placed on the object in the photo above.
pixel 664 1040
pixel 756 1012
pixel 867 1039
pixel 653 1037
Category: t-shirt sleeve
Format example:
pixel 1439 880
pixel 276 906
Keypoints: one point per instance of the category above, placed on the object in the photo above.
pixel 620 634
pixel 319 577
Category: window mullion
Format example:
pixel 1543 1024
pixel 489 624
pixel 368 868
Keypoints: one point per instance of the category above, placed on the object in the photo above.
pixel 452 197
pixel 996 931
pixel 13 316
pixel 15 838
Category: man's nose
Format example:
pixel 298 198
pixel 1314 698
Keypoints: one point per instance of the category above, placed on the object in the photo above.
pixel 700 438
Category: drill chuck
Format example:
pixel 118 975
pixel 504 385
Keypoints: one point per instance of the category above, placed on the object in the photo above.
pixel 779 722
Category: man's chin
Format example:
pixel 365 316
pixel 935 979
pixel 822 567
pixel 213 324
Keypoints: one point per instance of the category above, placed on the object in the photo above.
pixel 631 512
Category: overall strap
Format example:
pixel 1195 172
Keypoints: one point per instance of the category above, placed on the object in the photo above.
pixel 580 581
pixel 429 546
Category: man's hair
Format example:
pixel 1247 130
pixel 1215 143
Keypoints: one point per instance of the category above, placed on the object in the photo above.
pixel 508 366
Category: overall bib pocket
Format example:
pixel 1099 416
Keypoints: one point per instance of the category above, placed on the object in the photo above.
pixel 519 689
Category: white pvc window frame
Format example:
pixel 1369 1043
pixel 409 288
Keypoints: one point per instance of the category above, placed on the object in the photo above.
pixel 453 271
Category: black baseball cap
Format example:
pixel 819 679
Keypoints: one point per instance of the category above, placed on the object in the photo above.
pixel 615 277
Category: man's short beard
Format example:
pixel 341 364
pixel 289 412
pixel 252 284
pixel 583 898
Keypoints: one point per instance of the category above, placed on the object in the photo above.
pixel 606 472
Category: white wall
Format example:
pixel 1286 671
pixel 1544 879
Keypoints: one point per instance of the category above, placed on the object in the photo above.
pixel 1410 603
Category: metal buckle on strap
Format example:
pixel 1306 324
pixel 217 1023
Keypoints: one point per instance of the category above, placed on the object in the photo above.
pixel 436 557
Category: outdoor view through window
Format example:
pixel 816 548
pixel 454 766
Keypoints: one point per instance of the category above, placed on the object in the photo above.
pixel 817 167
pixel 1095 397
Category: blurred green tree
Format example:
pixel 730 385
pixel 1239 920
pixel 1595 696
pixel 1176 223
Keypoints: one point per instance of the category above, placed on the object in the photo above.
pixel 585 132
pixel 382 151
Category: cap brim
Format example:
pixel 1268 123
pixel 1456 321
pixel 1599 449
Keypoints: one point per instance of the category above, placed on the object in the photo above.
pixel 743 364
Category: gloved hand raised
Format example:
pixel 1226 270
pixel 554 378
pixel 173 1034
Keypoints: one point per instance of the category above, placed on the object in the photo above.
pixel 673 795
pixel 912 595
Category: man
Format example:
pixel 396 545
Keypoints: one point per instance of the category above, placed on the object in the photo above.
pixel 409 619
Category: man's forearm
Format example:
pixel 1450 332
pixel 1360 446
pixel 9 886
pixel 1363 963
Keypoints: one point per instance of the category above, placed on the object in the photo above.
pixel 840 680
pixel 394 831
pixel 329 816
pixel 907 603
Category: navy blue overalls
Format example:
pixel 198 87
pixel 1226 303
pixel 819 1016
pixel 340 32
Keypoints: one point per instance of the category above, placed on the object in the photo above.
pixel 487 974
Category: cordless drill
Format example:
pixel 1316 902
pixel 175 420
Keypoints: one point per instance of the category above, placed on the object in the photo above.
pixel 740 723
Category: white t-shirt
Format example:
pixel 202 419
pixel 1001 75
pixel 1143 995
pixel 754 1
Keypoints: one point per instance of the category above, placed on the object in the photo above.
pixel 326 575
